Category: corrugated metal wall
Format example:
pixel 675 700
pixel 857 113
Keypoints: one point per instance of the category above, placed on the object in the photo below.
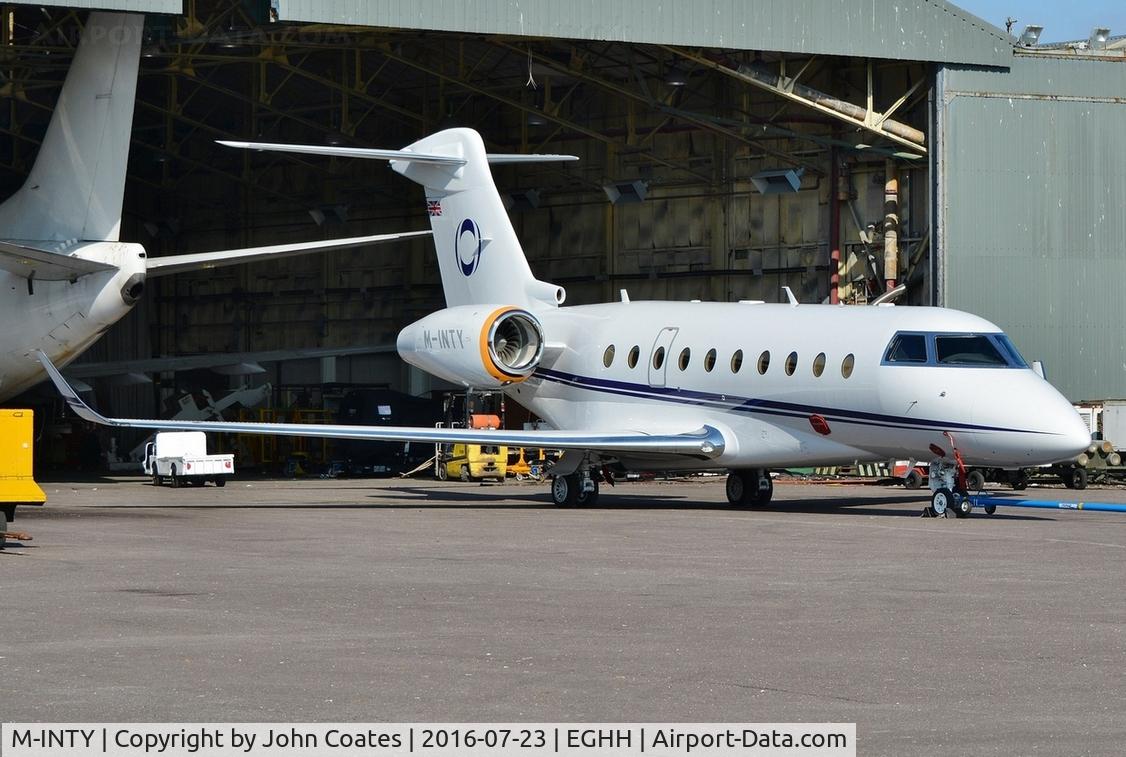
pixel 136 6
pixel 924 30
pixel 1032 186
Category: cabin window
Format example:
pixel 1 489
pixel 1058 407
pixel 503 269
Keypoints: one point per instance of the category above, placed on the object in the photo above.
pixel 736 361
pixel 847 365
pixel 709 360
pixel 819 364
pixel 685 355
pixel 608 356
pixel 764 362
pixel 658 358
pixel 967 349
pixel 634 354
pixel 791 363
pixel 907 348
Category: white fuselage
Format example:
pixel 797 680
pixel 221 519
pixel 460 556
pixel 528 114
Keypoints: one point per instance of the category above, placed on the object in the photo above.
pixel 63 318
pixel 998 416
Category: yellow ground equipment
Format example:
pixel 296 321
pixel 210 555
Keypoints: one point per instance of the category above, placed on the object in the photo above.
pixel 473 461
pixel 17 486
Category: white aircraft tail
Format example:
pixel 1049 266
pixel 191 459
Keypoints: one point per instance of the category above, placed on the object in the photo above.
pixel 75 189
pixel 479 256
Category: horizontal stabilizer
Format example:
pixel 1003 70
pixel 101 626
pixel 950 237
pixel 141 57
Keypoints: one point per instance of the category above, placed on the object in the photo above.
pixel 202 261
pixel 403 155
pixel 704 443
pixel 43 265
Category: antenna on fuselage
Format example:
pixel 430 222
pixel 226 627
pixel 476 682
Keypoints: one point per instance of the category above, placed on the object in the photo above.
pixel 790 296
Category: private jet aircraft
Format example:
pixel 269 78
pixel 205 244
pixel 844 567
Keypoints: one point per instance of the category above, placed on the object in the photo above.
pixel 688 385
pixel 65 276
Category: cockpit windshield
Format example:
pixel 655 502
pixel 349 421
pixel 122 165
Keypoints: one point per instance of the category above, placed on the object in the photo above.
pixel 976 350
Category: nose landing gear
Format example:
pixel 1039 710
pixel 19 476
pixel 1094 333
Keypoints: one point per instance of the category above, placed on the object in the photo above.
pixel 751 486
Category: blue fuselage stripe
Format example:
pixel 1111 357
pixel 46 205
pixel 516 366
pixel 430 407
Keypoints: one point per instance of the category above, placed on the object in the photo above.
pixel 758 406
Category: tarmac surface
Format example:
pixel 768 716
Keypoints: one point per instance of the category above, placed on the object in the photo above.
pixel 390 600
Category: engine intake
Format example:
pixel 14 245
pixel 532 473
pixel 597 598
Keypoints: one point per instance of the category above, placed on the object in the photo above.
pixel 514 341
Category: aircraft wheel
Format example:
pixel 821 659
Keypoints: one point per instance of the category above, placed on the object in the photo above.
pixel 565 490
pixel 913 480
pixel 736 487
pixel 443 472
pixel 585 499
pixel 975 480
pixel 1079 478
pixel 175 480
pixel 220 482
pixel 963 507
pixel 1068 478
pixel 765 495
pixel 941 500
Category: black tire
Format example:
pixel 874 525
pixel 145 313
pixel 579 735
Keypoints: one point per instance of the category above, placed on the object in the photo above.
pixel 736 487
pixel 220 482
pixel 941 501
pixel 156 479
pixel 1067 475
pixel 963 507
pixel 443 472
pixel 565 490
pixel 1019 480
pixel 1079 478
pixel 765 495
pixel 990 509
pixel 173 478
pixel 585 499
pixel 3 526
pixel 913 480
pixel 975 480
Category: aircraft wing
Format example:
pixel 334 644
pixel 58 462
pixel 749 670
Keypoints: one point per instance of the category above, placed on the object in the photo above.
pixel 704 443
pixel 200 261
pixel 215 360
pixel 43 265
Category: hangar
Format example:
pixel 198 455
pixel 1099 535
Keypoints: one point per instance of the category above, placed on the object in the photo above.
pixel 727 150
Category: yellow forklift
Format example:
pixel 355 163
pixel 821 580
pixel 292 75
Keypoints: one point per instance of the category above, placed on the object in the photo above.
pixel 472 462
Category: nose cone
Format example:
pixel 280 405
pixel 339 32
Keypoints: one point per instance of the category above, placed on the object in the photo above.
pixel 1072 434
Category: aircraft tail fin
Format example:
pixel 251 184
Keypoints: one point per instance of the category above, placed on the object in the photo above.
pixel 76 188
pixel 479 255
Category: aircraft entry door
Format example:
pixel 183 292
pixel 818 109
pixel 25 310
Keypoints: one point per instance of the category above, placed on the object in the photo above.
pixel 660 356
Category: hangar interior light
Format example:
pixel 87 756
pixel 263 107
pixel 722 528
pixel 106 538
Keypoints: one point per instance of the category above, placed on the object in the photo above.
pixel 622 192
pixel 676 77
pixel 779 181
pixel 1031 35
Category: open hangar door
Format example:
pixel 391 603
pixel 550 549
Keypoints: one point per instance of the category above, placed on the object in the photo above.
pixel 707 171
pixel 1031 188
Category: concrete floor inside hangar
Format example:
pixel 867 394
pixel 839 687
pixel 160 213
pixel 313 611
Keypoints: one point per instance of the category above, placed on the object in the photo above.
pixel 393 600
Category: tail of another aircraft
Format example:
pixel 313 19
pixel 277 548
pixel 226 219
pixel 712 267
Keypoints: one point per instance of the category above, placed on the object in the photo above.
pixel 479 256
pixel 76 188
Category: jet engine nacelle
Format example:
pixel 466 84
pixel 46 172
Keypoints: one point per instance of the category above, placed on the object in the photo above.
pixel 475 345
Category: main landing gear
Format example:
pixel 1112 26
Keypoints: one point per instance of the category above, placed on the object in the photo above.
pixel 751 486
pixel 578 489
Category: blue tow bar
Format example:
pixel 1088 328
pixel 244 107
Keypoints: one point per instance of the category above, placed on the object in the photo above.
pixel 987 502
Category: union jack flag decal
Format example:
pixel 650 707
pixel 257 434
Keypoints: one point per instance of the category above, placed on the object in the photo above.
pixel 434 207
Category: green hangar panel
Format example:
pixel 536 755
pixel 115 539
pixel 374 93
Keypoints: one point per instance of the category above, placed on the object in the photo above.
pixel 1030 211
pixel 134 6
pixel 921 30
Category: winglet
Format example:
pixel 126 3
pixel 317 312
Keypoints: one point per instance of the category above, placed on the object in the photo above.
pixel 80 408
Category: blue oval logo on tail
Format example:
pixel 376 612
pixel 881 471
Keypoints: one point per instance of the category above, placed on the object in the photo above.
pixel 467 247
